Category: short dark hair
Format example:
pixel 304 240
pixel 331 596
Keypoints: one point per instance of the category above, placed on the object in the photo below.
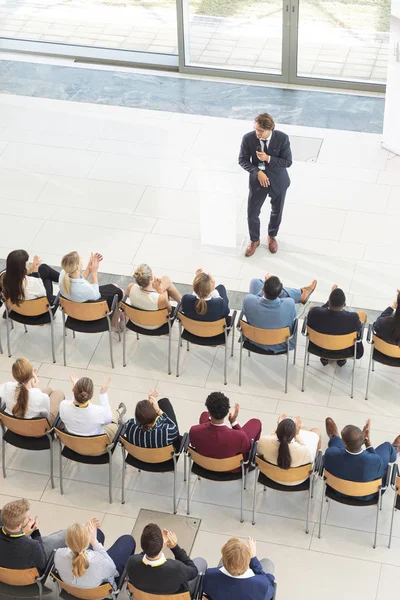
pixel 337 299
pixel 353 437
pixel 145 413
pixel 218 405
pixel 265 121
pixel 152 540
pixel 272 287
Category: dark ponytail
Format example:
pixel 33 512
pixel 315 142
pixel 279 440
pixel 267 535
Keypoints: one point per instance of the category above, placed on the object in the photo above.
pixel 285 432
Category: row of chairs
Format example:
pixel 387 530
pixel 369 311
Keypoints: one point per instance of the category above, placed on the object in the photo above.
pixel 36 434
pixel 95 317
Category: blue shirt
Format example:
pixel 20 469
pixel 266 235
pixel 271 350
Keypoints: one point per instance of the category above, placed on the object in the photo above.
pixel 270 314
pixel 219 586
pixel 81 289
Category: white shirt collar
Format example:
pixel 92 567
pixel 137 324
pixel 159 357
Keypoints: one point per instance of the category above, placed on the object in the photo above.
pixel 246 575
pixel 154 563
pixel 354 453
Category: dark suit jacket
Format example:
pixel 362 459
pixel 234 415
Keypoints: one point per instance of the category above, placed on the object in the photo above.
pixel 217 308
pixel 331 322
pixel 276 170
pixel 383 328
pixel 366 466
pixel 219 441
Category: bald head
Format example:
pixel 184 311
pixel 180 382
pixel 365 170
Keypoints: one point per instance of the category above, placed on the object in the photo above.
pixel 353 438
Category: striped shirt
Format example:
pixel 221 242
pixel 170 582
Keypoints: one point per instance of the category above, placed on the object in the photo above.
pixel 163 433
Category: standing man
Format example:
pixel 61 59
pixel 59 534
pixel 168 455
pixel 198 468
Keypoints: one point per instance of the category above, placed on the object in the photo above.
pixel 265 153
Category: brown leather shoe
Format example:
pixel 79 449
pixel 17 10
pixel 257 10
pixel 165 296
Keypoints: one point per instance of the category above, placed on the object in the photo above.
pixel 307 291
pixel 251 248
pixel 331 427
pixel 272 245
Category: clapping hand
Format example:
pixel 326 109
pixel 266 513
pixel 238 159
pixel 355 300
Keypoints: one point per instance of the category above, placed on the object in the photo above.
pixel 233 415
pixel 170 538
pixel 298 425
pixel 104 387
pixel 74 379
pixel 251 542
pixel 92 527
pixel 35 264
pixel 367 432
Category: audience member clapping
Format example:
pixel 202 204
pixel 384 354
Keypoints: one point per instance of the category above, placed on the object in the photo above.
pixel 207 302
pixel 22 281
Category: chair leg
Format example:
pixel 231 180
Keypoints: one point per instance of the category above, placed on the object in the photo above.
pixel 392 519
pixel 110 343
pixel 26 329
pixel 188 486
pixel 61 473
pixel 377 520
pixel 124 345
pixel 322 506
pixel 287 367
pixel 169 350
pixel 184 466
pixel 51 462
pixel 225 362
pixel 369 371
pixel 253 521
pixel 123 476
pixel 241 495
pixel 40 588
pixel 304 368
pixel 64 335
pixel 352 378
pixel 179 350
pixel 110 474
pixel 52 337
pixel 73 334
pixel 187 346
pixel 3 457
pixel 233 341
pixel 240 362
pixel 308 505
pixel 373 365
pixel 175 490
pixel 295 349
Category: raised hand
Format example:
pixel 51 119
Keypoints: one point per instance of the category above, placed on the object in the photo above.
pixel 104 387
pixel 233 415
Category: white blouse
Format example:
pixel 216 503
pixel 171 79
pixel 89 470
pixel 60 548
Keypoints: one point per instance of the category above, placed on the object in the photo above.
pixel 33 288
pixel 38 401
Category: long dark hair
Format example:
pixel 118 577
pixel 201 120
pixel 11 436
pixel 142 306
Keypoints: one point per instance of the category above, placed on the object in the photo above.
pixel 285 432
pixel 396 323
pixel 13 281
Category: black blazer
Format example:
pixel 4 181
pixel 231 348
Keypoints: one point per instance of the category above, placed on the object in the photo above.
pixel 384 324
pixel 332 322
pixel 276 170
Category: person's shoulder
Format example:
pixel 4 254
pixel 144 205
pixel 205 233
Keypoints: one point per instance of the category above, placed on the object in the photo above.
pixel 251 299
pixel 281 135
pixel 134 560
pixel 212 572
pixel 248 136
pixel 199 427
pixel 188 299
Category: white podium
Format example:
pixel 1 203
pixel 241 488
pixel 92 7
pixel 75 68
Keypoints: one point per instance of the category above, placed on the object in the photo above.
pixel 391 126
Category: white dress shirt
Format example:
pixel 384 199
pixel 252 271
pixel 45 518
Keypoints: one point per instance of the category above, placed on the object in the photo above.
pixel 38 402
pixel 88 420
pixel 33 288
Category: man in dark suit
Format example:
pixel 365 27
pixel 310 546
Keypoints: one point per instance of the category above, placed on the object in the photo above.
pixel 333 319
pixel 214 439
pixel 345 457
pixel 265 153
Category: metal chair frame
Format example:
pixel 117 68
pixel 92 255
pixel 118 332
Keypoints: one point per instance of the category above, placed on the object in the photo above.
pixel 371 362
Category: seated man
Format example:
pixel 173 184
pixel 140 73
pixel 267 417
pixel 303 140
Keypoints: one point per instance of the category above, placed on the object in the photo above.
pixel 332 319
pixel 269 305
pixel 240 574
pixel 154 425
pixel 21 545
pixel 345 457
pixel 151 572
pixel 214 439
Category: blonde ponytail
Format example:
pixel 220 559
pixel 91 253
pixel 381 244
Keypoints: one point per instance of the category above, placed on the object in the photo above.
pixel 22 371
pixel 77 539
pixel 70 263
pixel 202 286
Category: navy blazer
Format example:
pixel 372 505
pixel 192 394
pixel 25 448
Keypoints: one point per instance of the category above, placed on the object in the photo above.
pixel 276 170
pixel 217 308
pixel 383 326
pixel 370 464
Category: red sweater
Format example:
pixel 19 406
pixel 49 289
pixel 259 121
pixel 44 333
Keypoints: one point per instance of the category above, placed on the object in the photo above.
pixel 219 441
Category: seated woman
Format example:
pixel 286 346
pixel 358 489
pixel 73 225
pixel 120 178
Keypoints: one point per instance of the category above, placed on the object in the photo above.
pixel 240 574
pixel 25 399
pixel 74 283
pixel 154 425
pixel 207 303
pixel 151 293
pixel 290 446
pixel 387 325
pixel 82 417
pixel 85 566
pixel 23 282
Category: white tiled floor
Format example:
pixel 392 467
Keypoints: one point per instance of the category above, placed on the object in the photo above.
pixel 67 168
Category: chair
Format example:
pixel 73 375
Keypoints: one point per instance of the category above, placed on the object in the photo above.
pixel 153 460
pixel 353 490
pixel 332 342
pixel 217 469
pixel 381 352
pixel 35 312
pixel 266 337
pixel 105 590
pixel 205 597
pixel 395 485
pixel 25 583
pixel 267 474
pixel 89 450
pixel 139 319
pixel 135 594
pixel 205 333
pixel 88 317
pixel 26 434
